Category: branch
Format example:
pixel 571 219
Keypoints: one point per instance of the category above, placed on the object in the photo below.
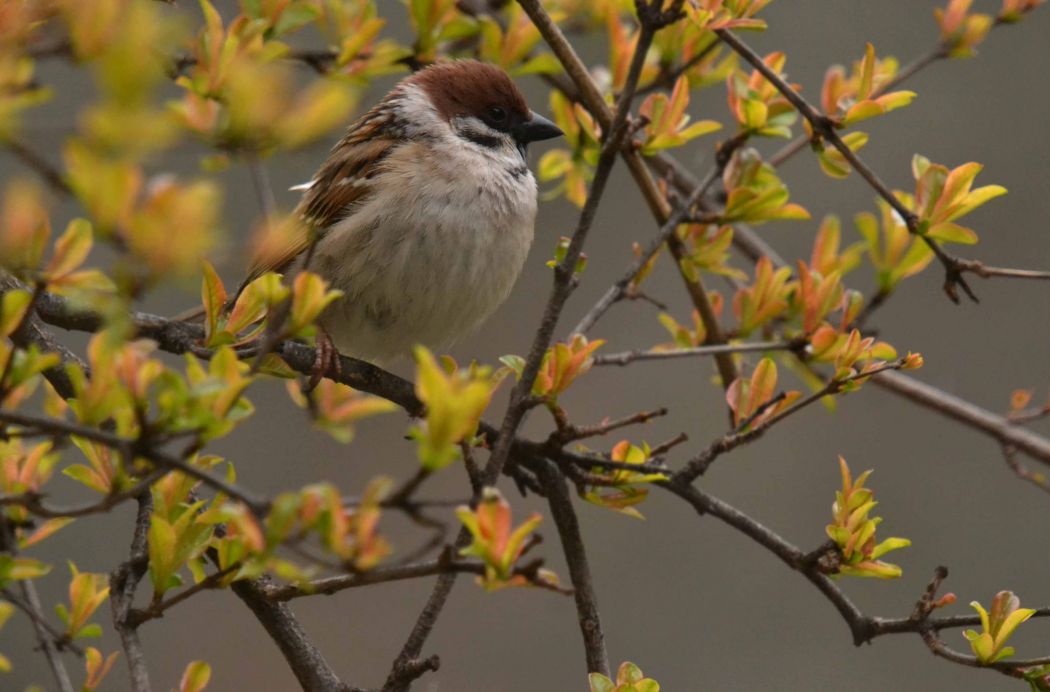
pixel 261 182
pixel 35 613
pixel 123 583
pixel 33 502
pixel 667 79
pixel 446 564
pixel 307 663
pixel 744 237
pixel 567 432
pixel 587 612
pixel 564 272
pixel 926 395
pixel 1039 480
pixel 628 357
pixel 619 290
pixel 132 448
pixel 177 337
pixel 616 131
pixel 938 52
pixel 48 173
pixel 30 604
pixel 920 616
pixel 977 267
pixel 999 428
pixel 824 126
pixel 156 610
pixel 864 628
pixel 699 464
pixel 592 99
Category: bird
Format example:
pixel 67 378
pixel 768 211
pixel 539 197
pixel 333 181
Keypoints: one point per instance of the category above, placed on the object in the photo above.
pixel 423 214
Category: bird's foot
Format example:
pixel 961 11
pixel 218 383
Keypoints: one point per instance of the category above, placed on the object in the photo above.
pixel 326 362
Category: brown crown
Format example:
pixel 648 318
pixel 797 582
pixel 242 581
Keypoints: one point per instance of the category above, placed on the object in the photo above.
pixel 468 87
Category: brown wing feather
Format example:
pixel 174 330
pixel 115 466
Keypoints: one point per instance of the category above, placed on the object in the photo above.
pixel 342 182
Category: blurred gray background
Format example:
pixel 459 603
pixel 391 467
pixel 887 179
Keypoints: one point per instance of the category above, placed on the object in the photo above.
pixel 692 602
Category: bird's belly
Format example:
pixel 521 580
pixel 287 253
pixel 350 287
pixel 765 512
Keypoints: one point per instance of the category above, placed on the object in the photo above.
pixel 428 280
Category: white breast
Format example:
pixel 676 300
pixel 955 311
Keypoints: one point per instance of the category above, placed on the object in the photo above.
pixel 432 253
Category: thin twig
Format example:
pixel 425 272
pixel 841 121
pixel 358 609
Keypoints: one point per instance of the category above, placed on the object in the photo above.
pixel 261 183
pixel 618 291
pixel 48 173
pixel 131 448
pixel 628 357
pixel 25 604
pixel 699 464
pixel 33 502
pixel 936 53
pixel 1039 480
pixel 156 610
pixel 568 432
pixel 384 575
pixel 825 127
pixel 667 79
pixel 30 604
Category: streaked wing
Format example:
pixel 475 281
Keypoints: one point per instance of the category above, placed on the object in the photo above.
pixel 342 183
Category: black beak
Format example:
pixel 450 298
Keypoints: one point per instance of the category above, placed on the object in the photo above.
pixel 536 129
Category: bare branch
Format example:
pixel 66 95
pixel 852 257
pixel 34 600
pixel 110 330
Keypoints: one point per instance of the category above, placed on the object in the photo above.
pixel 48 173
pixel 46 637
pixel 156 610
pixel 587 612
pixel 383 575
pixel 33 502
pixel 567 432
pixel 306 661
pixel 628 357
pixel 261 183
pixel 999 428
pixel 123 583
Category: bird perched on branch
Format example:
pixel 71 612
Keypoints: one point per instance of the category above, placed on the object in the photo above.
pixel 423 213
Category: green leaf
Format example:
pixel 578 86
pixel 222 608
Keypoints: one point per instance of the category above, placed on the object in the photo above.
pixel 295 17
pixel 71 249
pixel 162 557
pixel 92 631
pixel 18 568
pixel 600 683
pixel 196 677
pixel 13 310
pixel 949 232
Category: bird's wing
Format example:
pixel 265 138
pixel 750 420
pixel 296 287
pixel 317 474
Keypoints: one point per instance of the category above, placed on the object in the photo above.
pixel 342 183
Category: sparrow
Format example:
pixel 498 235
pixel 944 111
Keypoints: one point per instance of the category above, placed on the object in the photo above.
pixel 423 214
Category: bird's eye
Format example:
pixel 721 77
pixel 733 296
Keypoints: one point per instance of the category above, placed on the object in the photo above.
pixel 496 115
